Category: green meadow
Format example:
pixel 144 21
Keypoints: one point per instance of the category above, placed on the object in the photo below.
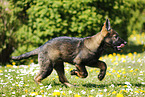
pixel 125 77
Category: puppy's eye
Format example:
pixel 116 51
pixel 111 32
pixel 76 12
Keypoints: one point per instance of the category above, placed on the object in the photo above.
pixel 116 36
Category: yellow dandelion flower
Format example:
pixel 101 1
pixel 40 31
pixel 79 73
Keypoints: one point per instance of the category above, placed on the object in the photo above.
pixel 31 61
pixel 56 76
pixel 8 65
pixel 134 73
pixel 119 71
pixel 110 56
pixel 91 70
pixel 90 96
pixel 118 75
pixel 33 93
pixel 114 92
pixel 108 73
pixel 119 59
pixel 116 63
pixel 108 68
pixel 25 84
pixel 134 32
pixel 118 55
pixel 123 72
pixel 114 54
pixel 119 95
pixel 136 69
pixel 100 58
pixel 131 71
pixel 42 91
pixel 95 68
pixel 138 55
pixel 66 69
pixel 14 63
pixel 76 77
pixel 136 91
pixel 108 93
pixel 130 54
pixel 123 56
pixel 123 91
pixel 97 71
pixel 56 94
pixel 113 60
pixel 77 95
pixel 124 61
pixel 17 85
pixel 125 86
pixel 1 71
pixel 26 91
pixel 114 71
pixel 63 94
pixel 141 90
pixel 71 69
pixel 135 53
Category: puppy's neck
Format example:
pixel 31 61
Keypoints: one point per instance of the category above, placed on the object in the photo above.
pixel 93 43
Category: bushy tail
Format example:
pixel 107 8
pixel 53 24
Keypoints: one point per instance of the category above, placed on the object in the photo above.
pixel 26 55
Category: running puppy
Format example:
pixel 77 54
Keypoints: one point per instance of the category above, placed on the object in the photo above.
pixel 80 52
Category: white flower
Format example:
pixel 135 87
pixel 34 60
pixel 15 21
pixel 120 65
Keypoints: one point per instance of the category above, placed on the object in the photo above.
pixel 92 90
pixel 99 95
pixel 83 92
pixel 105 90
pixel 129 89
pixel 41 87
pixel 49 87
pixel 39 96
pixel 127 83
pixel 70 91
pixel 13 92
pixel 112 85
pixel 56 90
pixel 140 78
pixel 143 83
pixel 23 96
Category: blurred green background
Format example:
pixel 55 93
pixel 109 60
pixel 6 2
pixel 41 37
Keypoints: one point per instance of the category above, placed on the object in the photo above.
pixel 27 24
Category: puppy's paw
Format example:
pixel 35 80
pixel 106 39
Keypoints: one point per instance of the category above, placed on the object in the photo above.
pixel 101 76
pixel 73 72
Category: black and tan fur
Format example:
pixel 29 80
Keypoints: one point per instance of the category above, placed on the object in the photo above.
pixel 80 52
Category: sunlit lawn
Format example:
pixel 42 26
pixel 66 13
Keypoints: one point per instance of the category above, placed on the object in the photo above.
pixel 125 77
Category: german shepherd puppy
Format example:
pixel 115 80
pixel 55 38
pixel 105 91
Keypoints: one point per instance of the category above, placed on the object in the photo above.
pixel 80 52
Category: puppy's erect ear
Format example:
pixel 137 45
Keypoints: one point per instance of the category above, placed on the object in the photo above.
pixel 108 27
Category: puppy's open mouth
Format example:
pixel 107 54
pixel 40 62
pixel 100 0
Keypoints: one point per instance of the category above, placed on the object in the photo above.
pixel 120 46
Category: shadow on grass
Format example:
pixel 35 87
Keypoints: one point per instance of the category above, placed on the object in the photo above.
pixel 127 49
pixel 90 85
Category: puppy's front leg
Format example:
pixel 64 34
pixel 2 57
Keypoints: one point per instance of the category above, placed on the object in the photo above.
pixel 81 71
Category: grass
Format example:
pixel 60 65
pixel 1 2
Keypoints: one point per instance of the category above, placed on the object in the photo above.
pixel 125 77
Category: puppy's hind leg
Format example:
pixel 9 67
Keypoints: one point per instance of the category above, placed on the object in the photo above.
pixel 45 70
pixel 59 67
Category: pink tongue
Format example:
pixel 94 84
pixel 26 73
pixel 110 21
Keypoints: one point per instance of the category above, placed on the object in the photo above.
pixel 121 46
